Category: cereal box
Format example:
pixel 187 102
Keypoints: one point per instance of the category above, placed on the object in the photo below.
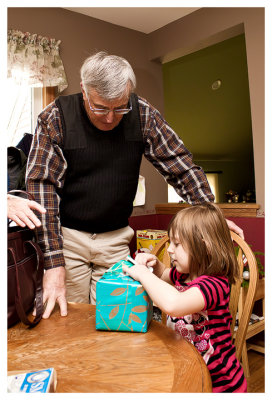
pixel 147 240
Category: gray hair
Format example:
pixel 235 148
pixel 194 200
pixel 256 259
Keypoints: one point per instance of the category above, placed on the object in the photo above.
pixel 111 76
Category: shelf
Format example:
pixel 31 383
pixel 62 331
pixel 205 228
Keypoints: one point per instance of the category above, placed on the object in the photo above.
pixel 255 328
pixel 228 209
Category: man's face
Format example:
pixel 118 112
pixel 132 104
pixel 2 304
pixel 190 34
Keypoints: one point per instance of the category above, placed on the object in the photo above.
pixel 103 122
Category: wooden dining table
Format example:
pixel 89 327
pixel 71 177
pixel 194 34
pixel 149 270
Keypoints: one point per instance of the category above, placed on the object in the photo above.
pixel 92 361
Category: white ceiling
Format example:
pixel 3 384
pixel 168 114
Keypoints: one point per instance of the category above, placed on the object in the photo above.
pixel 142 19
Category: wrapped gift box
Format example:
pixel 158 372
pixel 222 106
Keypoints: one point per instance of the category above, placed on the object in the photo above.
pixel 147 240
pixel 122 304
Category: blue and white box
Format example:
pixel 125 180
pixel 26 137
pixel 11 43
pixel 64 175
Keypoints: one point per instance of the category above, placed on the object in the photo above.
pixel 43 381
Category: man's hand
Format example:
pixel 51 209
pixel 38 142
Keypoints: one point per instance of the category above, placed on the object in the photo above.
pixel 233 227
pixel 54 290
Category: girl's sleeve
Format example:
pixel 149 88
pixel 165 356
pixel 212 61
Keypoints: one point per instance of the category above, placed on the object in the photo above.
pixel 215 291
pixel 176 276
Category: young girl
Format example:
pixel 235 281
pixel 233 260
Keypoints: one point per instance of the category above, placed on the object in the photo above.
pixel 195 292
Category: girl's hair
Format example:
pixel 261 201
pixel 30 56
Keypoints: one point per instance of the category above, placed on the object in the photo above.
pixel 111 76
pixel 203 232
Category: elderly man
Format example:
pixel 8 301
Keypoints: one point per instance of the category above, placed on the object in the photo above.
pixel 83 168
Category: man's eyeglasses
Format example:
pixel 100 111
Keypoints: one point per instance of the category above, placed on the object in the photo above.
pixel 105 111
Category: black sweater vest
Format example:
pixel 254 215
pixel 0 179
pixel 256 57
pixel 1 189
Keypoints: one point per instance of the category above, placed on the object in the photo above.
pixel 102 168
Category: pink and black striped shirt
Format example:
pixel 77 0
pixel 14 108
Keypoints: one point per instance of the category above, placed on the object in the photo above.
pixel 209 331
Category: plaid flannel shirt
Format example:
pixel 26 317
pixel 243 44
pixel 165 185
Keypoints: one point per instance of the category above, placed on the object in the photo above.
pixel 47 165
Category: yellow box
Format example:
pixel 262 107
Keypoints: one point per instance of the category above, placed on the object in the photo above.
pixel 147 239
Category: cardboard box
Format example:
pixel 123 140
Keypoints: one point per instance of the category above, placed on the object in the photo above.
pixel 43 381
pixel 122 304
pixel 147 239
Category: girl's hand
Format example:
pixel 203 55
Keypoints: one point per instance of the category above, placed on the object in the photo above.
pixel 136 271
pixel 150 260
pixel 146 259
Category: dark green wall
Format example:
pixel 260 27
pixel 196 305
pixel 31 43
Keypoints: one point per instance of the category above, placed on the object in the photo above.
pixel 214 124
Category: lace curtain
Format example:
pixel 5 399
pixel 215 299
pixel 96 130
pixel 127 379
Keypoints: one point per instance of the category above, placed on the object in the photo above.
pixel 35 60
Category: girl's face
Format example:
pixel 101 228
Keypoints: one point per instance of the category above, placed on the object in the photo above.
pixel 178 255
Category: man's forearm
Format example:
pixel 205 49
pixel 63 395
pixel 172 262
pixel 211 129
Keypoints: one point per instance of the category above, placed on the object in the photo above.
pixel 53 259
pixel 49 233
pixel 44 176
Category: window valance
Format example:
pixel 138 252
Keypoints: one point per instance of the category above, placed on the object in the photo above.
pixel 35 60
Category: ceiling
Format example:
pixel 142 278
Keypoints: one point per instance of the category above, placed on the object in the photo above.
pixel 142 19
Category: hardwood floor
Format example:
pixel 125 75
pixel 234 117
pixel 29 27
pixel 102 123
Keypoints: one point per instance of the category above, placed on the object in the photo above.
pixel 256 382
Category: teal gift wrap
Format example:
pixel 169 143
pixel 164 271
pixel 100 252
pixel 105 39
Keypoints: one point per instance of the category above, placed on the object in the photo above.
pixel 122 304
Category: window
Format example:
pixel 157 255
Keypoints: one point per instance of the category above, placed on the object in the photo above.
pixel 173 197
pixel 213 182
pixel 24 103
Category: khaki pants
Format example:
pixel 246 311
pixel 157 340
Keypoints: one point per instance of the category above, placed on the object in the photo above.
pixel 88 256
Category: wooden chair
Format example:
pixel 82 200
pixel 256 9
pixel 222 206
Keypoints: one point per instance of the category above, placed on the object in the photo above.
pixel 241 299
pixel 160 247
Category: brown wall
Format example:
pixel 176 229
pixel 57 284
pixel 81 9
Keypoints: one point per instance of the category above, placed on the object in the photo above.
pixel 80 35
